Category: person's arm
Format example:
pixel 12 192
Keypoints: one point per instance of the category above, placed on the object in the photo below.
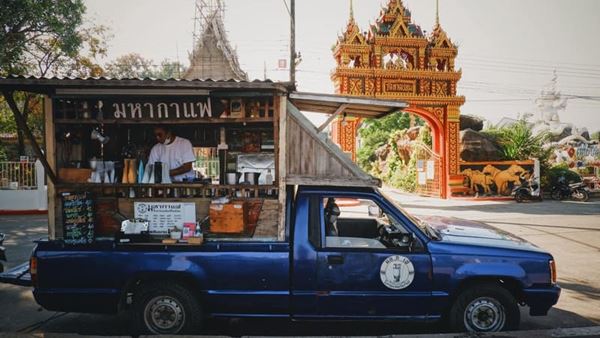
pixel 184 168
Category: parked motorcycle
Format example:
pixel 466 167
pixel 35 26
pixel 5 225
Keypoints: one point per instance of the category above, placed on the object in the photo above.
pixel 2 254
pixel 528 190
pixel 575 191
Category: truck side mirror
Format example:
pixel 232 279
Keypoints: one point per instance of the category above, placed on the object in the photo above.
pixel 375 211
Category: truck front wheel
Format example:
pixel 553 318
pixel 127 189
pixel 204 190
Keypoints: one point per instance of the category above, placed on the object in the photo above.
pixel 484 308
pixel 166 308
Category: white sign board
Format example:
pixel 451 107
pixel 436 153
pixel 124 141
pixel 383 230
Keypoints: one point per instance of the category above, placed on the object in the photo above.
pixel 422 178
pixel 164 215
pixel 430 170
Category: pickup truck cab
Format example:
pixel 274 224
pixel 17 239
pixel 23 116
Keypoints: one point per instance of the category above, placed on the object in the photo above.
pixel 349 253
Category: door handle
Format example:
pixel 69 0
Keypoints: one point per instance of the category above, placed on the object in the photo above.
pixel 335 259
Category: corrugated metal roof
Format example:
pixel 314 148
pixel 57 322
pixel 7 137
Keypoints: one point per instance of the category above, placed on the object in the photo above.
pixel 48 85
pixel 354 105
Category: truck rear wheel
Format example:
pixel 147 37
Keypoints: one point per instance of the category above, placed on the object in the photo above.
pixel 166 308
pixel 484 308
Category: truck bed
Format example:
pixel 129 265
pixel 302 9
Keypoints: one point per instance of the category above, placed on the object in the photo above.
pixel 244 276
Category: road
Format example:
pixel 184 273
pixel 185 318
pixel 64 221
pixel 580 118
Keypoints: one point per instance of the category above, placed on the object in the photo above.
pixel 569 230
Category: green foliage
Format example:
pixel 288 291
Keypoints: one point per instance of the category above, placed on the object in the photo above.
pixel 133 65
pixel 595 136
pixel 26 24
pixel 405 177
pixel 3 155
pixel 169 70
pixel 366 153
pixel 129 66
pixel 390 123
pixel 553 173
pixel 376 132
pixel 517 142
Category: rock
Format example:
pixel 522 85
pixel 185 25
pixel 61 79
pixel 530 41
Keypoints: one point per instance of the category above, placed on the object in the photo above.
pixel 471 122
pixel 477 147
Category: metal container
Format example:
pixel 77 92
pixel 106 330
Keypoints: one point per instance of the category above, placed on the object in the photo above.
pixel 232 178
pixel 251 178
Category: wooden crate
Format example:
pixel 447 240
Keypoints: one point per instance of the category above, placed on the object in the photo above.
pixel 228 218
pixel 74 175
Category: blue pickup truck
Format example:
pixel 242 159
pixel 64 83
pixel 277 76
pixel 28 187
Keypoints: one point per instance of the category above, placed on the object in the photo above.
pixel 349 253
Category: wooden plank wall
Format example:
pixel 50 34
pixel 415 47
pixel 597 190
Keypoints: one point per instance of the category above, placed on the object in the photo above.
pixel 306 156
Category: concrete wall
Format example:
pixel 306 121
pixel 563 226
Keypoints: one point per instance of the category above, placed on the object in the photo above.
pixel 23 200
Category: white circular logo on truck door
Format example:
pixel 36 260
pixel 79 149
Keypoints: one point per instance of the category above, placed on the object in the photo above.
pixel 397 272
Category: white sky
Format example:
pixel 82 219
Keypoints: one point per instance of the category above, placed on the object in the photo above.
pixel 507 49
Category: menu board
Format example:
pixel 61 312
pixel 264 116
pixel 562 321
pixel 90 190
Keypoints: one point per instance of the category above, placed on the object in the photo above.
pixel 78 217
pixel 163 216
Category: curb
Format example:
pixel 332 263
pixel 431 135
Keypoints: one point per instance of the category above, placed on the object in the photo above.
pixel 22 212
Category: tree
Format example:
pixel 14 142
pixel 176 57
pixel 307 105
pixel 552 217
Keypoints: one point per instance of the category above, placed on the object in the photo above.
pixel 376 132
pixel 133 65
pixel 169 70
pixel 45 38
pixel 129 66
pixel 25 23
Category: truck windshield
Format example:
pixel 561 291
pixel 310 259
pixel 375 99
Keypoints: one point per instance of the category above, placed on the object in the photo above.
pixel 425 228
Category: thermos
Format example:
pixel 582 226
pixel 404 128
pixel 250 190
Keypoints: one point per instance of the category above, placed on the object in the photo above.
pixel 158 172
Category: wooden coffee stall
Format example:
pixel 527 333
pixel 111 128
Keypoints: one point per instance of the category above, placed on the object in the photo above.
pixel 252 146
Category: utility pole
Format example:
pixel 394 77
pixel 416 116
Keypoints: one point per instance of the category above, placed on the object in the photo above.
pixel 293 41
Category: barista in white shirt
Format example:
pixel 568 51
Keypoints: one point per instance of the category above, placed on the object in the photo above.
pixel 174 151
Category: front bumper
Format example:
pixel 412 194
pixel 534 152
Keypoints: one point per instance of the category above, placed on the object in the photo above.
pixel 541 299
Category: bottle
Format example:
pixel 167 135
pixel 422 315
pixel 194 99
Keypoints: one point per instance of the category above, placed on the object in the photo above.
pixel 198 232
pixel 158 172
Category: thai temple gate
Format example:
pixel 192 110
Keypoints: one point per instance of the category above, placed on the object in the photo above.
pixel 396 60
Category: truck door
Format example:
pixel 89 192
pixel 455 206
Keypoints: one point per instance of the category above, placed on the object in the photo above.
pixel 361 271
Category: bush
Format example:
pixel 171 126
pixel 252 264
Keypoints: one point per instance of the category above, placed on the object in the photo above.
pixel 366 154
pixel 517 142
pixel 3 155
pixel 551 177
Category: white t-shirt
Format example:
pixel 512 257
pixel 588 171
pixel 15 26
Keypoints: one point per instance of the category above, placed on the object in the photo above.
pixel 175 154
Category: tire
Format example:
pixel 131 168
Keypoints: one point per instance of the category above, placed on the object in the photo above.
pixel 519 196
pixel 473 308
pixel 580 195
pixel 178 306
pixel 556 195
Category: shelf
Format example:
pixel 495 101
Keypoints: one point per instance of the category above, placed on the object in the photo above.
pixel 153 122
pixel 171 185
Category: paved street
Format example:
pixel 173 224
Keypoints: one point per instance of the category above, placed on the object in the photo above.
pixel 571 231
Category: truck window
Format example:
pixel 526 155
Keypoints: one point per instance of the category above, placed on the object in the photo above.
pixel 356 223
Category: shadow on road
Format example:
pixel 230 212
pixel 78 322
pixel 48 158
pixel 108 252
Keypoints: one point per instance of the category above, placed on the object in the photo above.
pixel 88 324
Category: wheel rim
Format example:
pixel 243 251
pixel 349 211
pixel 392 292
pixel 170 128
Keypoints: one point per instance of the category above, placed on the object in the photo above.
pixel 164 314
pixel 485 315
pixel 519 197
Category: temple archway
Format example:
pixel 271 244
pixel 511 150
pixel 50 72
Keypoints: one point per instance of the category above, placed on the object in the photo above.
pixel 403 64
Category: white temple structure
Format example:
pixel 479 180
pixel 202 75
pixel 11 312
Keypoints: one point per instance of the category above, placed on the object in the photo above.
pixel 213 57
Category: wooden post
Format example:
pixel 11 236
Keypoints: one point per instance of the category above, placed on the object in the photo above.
pixel 282 158
pixel 50 151
pixel 340 109
pixel 292 42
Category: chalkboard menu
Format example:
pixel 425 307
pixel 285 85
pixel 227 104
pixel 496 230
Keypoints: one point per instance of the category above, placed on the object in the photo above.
pixel 78 217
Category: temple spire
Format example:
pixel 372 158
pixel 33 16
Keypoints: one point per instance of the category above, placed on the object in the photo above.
pixel 437 12
pixel 351 11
